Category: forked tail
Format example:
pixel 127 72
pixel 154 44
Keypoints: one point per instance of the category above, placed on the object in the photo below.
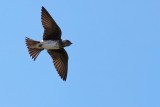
pixel 33 50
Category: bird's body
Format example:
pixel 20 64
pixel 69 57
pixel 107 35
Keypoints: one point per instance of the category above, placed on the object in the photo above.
pixel 52 42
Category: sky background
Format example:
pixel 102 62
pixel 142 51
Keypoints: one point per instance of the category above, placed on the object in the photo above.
pixel 114 60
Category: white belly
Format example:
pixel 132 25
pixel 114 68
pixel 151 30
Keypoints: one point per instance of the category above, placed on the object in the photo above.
pixel 49 44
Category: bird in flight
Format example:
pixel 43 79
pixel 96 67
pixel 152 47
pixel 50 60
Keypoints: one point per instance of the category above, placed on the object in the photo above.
pixel 52 42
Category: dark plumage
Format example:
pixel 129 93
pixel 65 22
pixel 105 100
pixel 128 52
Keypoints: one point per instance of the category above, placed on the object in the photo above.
pixel 51 32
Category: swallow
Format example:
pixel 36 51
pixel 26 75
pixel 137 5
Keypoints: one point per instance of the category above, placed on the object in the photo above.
pixel 51 42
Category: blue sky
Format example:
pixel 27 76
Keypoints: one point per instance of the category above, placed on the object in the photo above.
pixel 114 60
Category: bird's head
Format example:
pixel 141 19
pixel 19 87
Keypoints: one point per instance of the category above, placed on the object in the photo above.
pixel 66 43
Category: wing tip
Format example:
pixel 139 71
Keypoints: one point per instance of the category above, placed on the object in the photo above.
pixel 43 7
pixel 64 78
pixel 62 74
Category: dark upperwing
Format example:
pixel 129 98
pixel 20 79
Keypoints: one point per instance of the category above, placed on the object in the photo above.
pixel 51 29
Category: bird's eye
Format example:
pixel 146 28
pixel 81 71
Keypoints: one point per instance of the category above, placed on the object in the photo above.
pixel 68 41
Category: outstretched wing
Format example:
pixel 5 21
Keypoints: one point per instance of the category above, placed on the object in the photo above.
pixel 51 29
pixel 60 60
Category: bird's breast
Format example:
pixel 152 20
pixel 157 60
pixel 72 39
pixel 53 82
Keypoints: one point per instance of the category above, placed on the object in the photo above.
pixel 50 44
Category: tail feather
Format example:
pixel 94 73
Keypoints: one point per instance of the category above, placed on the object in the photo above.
pixel 32 48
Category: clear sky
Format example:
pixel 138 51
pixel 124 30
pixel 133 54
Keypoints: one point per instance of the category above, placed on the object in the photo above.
pixel 114 60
